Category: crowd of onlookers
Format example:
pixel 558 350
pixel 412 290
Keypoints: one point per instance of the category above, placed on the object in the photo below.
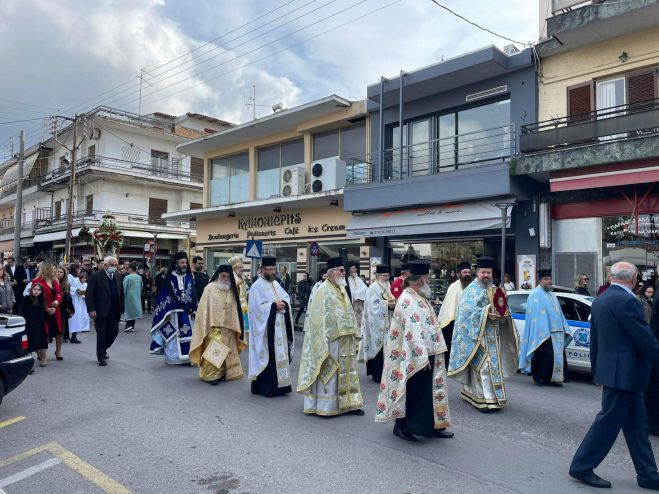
pixel 51 299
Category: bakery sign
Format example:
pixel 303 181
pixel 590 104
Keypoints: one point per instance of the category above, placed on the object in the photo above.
pixel 317 222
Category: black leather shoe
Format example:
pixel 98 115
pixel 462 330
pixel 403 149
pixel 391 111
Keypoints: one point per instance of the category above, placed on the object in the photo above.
pixel 102 362
pixel 214 382
pixel 653 485
pixel 443 434
pixel 537 383
pixel 591 479
pixel 554 385
pixel 403 435
pixel 107 357
pixel 356 412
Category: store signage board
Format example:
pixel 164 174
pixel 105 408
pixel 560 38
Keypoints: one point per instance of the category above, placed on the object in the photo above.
pixel 253 249
pixel 314 249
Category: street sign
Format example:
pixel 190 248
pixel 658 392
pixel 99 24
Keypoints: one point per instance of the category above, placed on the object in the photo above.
pixel 314 249
pixel 253 249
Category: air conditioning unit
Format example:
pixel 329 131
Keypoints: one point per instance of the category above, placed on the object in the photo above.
pixel 95 133
pixel 292 181
pixel 328 174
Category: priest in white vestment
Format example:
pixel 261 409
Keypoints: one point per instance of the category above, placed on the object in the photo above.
pixel 450 303
pixel 375 322
pixel 271 333
pixel 328 367
pixel 356 289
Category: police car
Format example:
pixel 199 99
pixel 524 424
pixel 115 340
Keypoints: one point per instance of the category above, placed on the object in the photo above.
pixel 15 361
pixel 576 309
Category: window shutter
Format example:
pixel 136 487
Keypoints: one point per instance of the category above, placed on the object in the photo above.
pixel 89 205
pixel 640 88
pixel 157 207
pixel 580 102
pixel 197 168
pixel 195 205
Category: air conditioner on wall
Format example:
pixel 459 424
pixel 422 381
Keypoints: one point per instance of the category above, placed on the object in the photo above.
pixel 292 181
pixel 328 174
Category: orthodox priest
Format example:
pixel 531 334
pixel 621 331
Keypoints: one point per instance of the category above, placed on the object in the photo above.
pixel 356 289
pixel 413 390
pixel 328 368
pixel 399 283
pixel 450 304
pixel 485 344
pixel 546 334
pixel 375 323
pixel 271 333
pixel 323 277
pixel 236 262
pixel 218 335
pixel 173 319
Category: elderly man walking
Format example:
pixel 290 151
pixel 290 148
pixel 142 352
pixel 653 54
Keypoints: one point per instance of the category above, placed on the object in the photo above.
pixel 105 303
pixel 328 367
pixel 622 352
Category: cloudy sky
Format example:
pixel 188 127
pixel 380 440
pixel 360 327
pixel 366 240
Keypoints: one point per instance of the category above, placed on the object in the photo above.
pixel 205 55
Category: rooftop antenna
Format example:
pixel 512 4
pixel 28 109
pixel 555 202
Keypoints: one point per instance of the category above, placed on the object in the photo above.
pixel 251 101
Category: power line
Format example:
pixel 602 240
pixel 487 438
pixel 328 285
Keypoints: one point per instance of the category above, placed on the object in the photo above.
pixel 20 121
pixel 478 25
pixel 248 52
pixel 237 46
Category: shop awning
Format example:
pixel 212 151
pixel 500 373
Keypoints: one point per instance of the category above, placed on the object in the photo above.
pixel 605 176
pixel 11 175
pixel 134 234
pixel 52 236
pixel 149 235
pixel 449 218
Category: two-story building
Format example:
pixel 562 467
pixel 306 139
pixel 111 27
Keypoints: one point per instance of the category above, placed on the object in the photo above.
pixel 595 149
pixel 436 179
pixel 279 179
pixel 127 165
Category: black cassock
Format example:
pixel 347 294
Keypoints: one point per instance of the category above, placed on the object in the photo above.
pixel 419 414
pixel 266 382
pixel 375 365
pixel 542 363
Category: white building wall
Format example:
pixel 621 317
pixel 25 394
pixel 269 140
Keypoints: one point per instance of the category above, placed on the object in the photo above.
pixel 578 236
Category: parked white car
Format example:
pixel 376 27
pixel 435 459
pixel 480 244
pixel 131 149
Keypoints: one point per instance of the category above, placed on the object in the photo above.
pixel 576 309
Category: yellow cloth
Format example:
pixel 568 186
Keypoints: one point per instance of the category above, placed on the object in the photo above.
pixel 231 367
pixel 450 304
pixel 217 317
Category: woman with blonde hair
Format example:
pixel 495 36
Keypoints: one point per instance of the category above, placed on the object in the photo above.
pixel 66 309
pixel 581 285
pixel 47 278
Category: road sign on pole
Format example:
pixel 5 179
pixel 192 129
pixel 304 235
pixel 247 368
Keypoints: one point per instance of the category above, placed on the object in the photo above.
pixel 254 249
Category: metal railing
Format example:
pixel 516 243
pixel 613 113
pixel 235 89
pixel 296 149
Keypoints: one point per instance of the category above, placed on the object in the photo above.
pixel 614 123
pixel 94 218
pixel 157 167
pixel 457 152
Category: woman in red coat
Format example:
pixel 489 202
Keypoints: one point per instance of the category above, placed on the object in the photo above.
pixel 47 278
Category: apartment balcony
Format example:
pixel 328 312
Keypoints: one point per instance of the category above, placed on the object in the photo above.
pixel 577 23
pixel 7 229
pixel 443 170
pixel 606 136
pixel 162 170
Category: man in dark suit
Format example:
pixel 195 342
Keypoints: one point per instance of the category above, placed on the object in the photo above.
pixel 105 303
pixel 200 276
pixel 622 350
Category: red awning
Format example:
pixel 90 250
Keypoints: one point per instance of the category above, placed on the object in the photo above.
pixel 605 176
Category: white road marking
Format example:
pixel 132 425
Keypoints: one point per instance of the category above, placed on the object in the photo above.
pixel 28 472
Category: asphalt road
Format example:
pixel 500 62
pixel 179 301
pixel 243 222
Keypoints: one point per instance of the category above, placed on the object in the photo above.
pixel 146 427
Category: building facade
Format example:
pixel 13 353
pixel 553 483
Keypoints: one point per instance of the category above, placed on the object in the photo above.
pixel 437 190
pixel 279 180
pixel 126 165
pixel 595 149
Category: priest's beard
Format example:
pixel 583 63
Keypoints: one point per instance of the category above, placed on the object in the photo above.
pixel 269 277
pixel 486 283
pixel 546 288
pixel 223 286
pixel 464 281
pixel 340 281
pixel 424 291
pixel 385 285
pixel 181 270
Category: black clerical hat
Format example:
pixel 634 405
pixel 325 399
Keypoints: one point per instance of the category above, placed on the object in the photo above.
pixel 268 262
pixel 544 273
pixel 405 266
pixel 419 268
pixel 464 265
pixel 382 269
pixel 485 262
pixel 334 262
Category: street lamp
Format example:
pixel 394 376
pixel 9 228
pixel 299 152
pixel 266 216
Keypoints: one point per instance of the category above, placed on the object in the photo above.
pixel 503 206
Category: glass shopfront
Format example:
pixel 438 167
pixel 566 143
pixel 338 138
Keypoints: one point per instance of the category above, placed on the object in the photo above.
pixel 631 239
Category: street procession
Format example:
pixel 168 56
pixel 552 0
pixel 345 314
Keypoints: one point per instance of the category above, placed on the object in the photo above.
pixel 402 247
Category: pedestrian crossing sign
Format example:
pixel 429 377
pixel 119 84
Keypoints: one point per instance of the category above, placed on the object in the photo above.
pixel 253 249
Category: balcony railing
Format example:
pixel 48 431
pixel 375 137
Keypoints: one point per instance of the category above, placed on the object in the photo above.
pixel 93 218
pixel 157 167
pixel 605 125
pixel 457 152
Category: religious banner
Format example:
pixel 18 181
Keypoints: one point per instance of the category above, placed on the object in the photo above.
pixel 108 239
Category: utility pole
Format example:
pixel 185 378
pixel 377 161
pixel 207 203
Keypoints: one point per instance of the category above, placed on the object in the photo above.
pixel 18 211
pixel 72 181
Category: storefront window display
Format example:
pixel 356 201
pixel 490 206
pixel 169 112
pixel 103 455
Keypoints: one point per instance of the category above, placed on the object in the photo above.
pixel 626 238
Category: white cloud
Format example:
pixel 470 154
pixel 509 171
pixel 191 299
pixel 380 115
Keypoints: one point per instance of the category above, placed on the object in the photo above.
pixel 60 54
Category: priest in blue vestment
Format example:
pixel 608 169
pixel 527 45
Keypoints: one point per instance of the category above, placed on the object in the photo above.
pixel 546 334
pixel 173 319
